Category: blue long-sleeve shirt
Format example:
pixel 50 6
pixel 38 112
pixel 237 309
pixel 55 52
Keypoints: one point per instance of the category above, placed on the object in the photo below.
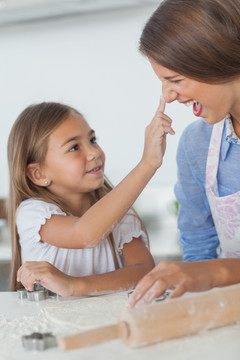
pixel 198 235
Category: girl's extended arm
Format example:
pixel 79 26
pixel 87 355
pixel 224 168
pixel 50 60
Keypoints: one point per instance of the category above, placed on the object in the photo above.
pixel 185 276
pixel 138 262
pixel 88 230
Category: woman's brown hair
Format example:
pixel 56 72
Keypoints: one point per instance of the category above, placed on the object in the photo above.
pixel 199 39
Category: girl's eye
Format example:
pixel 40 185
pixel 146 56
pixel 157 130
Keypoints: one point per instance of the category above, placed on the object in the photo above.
pixel 74 148
pixel 93 140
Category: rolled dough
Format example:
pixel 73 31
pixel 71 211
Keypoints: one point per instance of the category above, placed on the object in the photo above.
pixel 88 313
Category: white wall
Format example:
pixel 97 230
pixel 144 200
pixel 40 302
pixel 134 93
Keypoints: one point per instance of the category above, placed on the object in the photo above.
pixel 92 63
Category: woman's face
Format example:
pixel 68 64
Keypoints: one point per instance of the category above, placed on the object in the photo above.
pixel 212 102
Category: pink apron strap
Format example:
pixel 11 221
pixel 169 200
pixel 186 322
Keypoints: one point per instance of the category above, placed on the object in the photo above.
pixel 213 154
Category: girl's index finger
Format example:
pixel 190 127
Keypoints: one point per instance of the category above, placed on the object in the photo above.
pixel 162 104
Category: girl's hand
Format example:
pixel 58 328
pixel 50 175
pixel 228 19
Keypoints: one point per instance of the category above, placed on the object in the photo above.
pixel 45 274
pixel 155 137
pixel 178 276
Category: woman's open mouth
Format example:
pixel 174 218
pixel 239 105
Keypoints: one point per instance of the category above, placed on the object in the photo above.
pixel 197 108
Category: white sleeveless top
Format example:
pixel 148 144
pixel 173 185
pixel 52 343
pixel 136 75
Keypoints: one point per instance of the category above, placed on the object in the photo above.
pixel 33 213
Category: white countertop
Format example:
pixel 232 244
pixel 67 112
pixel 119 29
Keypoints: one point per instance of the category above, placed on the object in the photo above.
pixel 218 344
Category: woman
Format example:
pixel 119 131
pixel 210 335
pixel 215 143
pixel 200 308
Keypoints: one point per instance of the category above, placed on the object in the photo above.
pixel 194 49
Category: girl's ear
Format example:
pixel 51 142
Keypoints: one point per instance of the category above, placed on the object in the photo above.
pixel 35 174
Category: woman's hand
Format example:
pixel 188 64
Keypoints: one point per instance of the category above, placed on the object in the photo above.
pixel 45 274
pixel 155 137
pixel 178 276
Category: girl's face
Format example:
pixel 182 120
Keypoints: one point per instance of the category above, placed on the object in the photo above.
pixel 74 162
pixel 212 102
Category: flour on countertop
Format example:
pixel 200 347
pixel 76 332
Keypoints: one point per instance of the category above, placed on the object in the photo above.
pixel 88 313
pixel 63 319
pixel 68 317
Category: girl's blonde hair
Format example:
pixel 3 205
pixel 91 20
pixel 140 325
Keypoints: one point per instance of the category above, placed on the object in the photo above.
pixel 27 143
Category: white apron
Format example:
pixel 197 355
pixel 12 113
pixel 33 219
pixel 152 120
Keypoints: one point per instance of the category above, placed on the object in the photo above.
pixel 225 210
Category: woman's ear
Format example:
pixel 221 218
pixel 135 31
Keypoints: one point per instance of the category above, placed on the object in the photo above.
pixel 35 174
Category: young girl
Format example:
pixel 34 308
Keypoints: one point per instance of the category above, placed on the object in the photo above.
pixel 68 225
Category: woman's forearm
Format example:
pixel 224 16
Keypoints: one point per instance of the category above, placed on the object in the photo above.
pixel 224 272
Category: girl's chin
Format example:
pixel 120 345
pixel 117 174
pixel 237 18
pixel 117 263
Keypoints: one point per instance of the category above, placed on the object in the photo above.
pixel 100 184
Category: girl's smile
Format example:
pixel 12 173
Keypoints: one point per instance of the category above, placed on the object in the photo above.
pixel 97 170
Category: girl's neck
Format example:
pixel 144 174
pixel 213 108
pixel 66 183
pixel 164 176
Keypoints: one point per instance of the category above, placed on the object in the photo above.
pixel 78 205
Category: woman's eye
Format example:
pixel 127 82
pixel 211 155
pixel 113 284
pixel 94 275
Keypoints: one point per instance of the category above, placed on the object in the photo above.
pixel 176 81
pixel 74 148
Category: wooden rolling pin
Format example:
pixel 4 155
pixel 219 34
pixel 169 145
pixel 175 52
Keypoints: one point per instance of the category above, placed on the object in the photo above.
pixel 166 320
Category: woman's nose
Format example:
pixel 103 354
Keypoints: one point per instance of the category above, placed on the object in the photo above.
pixel 168 93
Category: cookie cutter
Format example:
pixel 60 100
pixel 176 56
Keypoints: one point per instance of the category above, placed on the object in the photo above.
pixel 39 341
pixel 130 292
pixel 161 298
pixel 39 293
pixel 164 296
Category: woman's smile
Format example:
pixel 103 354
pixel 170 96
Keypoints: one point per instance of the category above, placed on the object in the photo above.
pixel 210 101
pixel 197 108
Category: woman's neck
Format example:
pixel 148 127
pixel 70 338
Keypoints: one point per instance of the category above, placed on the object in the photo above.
pixel 236 123
pixel 236 126
pixel 235 111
